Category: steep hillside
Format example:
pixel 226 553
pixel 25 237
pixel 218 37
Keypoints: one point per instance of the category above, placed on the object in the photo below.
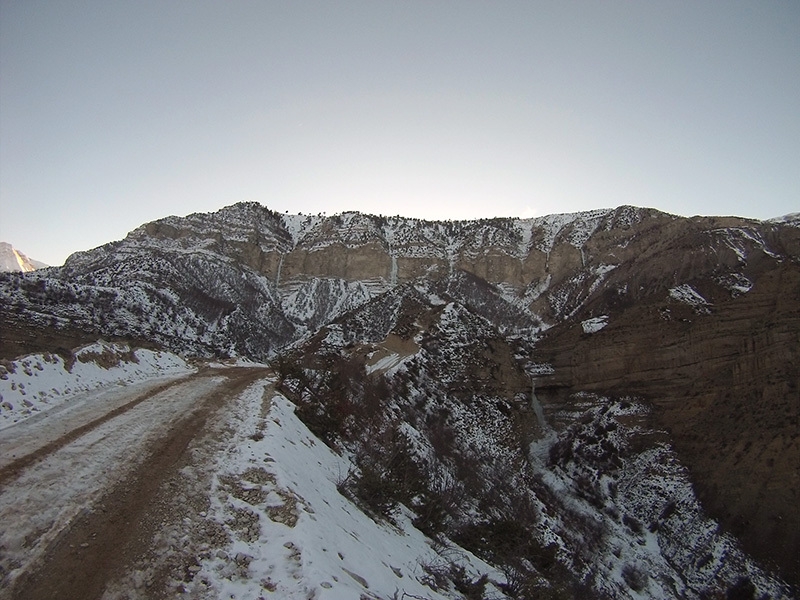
pixel 437 407
pixel 714 351
pixel 248 281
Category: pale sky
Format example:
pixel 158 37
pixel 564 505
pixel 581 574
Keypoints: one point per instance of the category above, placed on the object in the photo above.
pixel 117 113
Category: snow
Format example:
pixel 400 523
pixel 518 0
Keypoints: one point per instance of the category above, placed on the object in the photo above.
pixel 539 369
pixel 12 259
pixel 325 299
pixel 237 361
pixel 393 270
pixel 552 225
pixel 742 240
pixel 736 283
pixel 582 225
pixel 567 298
pixel 310 541
pixel 525 229
pixel 299 225
pixel 603 269
pixel 432 297
pixel 626 217
pixel 39 382
pixel 791 219
pixel 688 295
pixel 594 324
pixel 334 336
pixel 39 504
pixel 637 538
pixel 600 272
pixel 388 363
pixel 304 539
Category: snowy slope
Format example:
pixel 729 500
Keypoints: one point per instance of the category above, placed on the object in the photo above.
pixel 303 539
pixel 39 382
pixel 792 219
pixel 421 335
pixel 596 490
pixel 630 520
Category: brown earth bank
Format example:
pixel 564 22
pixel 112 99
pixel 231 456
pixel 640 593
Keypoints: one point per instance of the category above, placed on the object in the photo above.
pixel 104 539
pixel 18 339
pixel 724 385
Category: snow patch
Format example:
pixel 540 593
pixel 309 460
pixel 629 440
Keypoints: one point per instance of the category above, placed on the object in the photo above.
pixel 736 283
pixel 38 382
pixel 742 240
pixel 792 219
pixel 539 369
pixel 579 226
pixel 594 324
pixel 387 364
pixel 688 295
pixel 306 539
pixel 299 225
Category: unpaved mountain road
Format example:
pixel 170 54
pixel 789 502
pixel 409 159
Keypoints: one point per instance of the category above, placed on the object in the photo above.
pixel 44 433
pixel 73 506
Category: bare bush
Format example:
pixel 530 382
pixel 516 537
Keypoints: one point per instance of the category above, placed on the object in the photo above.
pixel 634 577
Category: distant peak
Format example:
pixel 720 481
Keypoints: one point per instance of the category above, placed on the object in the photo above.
pixel 14 260
pixel 792 219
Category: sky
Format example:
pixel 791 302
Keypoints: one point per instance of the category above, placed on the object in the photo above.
pixel 113 114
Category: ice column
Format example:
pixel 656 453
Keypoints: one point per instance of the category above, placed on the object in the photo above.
pixel 537 407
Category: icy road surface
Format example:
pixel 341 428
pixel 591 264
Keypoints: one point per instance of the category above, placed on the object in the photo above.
pixel 74 479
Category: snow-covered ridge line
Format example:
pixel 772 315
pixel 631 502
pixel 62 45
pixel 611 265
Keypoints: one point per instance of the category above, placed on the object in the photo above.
pixel 39 382
pixel 248 281
pixel 403 235
pixel 792 219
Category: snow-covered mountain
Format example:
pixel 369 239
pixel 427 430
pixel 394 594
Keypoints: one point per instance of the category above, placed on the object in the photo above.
pixel 581 499
pixel 247 281
pixel 655 458
pixel 14 260
pixel 789 219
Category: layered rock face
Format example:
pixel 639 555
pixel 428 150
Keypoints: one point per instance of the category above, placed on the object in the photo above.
pixel 698 317
pixel 713 342
pixel 392 250
pixel 723 382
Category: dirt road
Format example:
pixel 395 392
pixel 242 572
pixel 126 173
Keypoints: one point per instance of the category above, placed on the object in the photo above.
pixel 76 508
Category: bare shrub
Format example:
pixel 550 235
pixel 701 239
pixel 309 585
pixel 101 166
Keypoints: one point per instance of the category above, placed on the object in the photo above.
pixel 472 589
pixel 634 577
pixel 633 524
pixel 743 589
pixel 386 473
pixel 442 498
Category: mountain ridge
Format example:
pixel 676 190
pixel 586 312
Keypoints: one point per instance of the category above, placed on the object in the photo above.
pixel 694 317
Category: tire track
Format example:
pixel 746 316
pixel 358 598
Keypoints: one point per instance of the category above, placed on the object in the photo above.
pixel 14 468
pixel 97 543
